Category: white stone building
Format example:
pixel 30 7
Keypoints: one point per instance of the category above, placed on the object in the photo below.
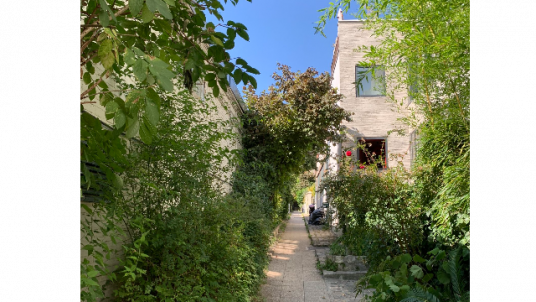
pixel 373 117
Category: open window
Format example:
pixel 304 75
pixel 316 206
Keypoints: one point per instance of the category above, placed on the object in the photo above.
pixel 369 82
pixel 372 151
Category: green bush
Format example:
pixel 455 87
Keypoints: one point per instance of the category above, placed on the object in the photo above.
pixel 444 276
pixel 194 254
pixel 377 212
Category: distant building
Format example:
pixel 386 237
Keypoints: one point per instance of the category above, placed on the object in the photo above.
pixel 372 115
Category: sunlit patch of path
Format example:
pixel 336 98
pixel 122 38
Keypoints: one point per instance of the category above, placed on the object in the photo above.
pixel 292 275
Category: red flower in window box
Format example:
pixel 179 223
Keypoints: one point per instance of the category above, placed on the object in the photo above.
pixel 348 153
pixel 361 167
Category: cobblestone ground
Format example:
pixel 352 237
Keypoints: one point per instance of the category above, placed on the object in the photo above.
pixel 292 275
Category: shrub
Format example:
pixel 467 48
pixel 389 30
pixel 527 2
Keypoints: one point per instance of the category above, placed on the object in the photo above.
pixel 442 277
pixel 216 252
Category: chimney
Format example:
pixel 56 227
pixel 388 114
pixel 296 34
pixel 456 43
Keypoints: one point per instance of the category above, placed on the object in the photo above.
pixel 339 15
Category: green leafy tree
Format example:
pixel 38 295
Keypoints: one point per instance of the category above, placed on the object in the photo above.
pixel 154 44
pixel 286 127
pixel 300 114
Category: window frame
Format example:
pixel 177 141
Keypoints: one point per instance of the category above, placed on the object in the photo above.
pixel 386 161
pixel 372 80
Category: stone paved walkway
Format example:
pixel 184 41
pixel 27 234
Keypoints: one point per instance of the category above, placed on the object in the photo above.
pixel 292 275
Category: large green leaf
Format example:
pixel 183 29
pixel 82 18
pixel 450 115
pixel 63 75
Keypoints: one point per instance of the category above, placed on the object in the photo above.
pixel 129 57
pixel 253 81
pixel 140 69
pixel 161 6
pixel 87 78
pixel 443 276
pixel 146 15
pixel 241 62
pixel 159 69
pixel 237 75
pixel 151 112
pixel 405 258
pixel 163 25
pixel 229 44
pixel 145 134
pixel 242 33
pixel 117 181
pixel 252 70
pixel 110 109
pixel 133 128
pixel 120 119
pixel 108 61
pixel 392 286
pixel 216 40
pixel 418 259
pixel 135 6
pixel 134 96
pixel 216 91
pixel 154 96
pixel 416 271
pixel 105 47
pixel 231 33
pixel 150 126
pixel 165 83
pixel 104 18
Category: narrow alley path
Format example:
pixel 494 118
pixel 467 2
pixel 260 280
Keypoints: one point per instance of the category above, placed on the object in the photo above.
pixel 292 275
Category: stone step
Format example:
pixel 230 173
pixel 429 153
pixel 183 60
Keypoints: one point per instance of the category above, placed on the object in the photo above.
pixel 344 275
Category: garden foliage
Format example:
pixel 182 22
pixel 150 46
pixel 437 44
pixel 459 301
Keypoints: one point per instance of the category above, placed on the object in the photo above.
pixel 183 238
pixel 394 216
pixel 149 48
pixel 285 128
pixel 194 215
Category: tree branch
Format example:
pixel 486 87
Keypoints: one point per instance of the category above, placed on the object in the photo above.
pixel 87 31
pixel 93 86
pixel 103 92
pixel 86 44
pixel 88 59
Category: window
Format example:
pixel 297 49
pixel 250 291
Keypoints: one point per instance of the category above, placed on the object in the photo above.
pixel 372 151
pixel 199 90
pixel 368 84
pixel 92 182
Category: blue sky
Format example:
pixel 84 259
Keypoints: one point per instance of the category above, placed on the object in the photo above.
pixel 282 31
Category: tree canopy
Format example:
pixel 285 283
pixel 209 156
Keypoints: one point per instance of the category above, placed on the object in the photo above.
pixel 148 47
pixel 300 113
